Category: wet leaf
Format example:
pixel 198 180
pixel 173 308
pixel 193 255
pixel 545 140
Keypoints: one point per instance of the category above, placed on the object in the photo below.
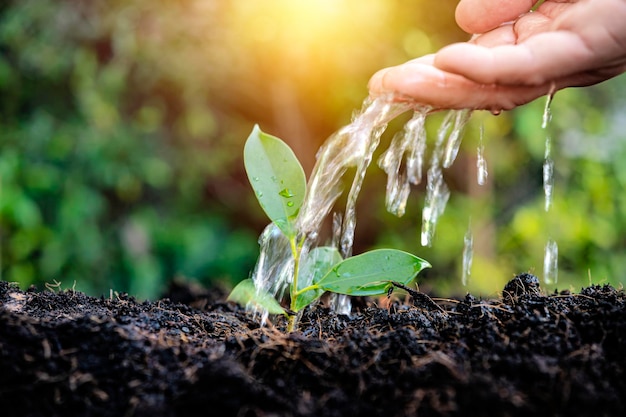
pixel 277 178
pixel 371 273
pixel 245 293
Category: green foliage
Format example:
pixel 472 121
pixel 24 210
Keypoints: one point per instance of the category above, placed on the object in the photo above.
pixel 104 174
pixel 273 168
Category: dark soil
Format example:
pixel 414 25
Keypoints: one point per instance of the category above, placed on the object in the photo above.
pixel 193 354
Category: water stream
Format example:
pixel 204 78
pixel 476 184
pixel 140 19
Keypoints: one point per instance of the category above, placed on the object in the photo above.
pixel 468 255
pixel 437 191
pixel 481 162
pixel 551 250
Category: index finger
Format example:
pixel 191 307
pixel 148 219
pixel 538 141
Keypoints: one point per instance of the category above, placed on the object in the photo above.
pixel 480 16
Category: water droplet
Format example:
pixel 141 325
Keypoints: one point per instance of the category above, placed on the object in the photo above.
pixel 496 112
pixel 481 162
pixel 255 178
pixel 259 194
pixel 468 254
pixel 461 117
pixel 289 203
pixel 274 179
pixel 286 192
pixel 547 113
pixel 551 262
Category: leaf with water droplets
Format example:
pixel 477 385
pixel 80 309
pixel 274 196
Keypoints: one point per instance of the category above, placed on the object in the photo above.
pixel 277 178
pixel 371 273
pixel 245 293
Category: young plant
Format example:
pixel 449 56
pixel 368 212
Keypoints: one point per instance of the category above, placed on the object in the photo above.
pixel 279 183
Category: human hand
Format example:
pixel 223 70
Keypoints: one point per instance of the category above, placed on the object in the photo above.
pixel 516 56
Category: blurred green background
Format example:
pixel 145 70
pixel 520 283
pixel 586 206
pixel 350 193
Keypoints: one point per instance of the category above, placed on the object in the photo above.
pixel 122 126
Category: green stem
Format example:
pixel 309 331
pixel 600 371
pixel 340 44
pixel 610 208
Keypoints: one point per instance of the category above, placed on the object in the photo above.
pixel 296 249
pixel 305 289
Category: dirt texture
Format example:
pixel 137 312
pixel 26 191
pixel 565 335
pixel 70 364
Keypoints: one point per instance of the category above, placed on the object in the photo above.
pixel 526 353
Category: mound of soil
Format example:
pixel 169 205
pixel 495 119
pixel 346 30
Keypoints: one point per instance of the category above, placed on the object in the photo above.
pixel 193 354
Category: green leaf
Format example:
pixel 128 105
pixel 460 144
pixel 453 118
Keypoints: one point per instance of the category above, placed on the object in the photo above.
pixel 315 266
pixel 246 293
pixel 371 273
pixel 277 178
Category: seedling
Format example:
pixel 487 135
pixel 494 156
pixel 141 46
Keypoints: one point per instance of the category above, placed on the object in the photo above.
pixel 279 183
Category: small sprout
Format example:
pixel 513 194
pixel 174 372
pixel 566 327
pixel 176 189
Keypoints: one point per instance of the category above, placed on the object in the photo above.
pixel 279 183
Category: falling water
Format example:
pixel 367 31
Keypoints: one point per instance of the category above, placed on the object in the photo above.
pixel 551 251
pixel 408 145
pixel 481 162
pixel 468 254
pixel 437 192
pixel 461 117
pixel 548 164
pixel 547 113
pixel 548 174
pixel 468 239
pixel 351 146
pixel 550 262
pixel 274 267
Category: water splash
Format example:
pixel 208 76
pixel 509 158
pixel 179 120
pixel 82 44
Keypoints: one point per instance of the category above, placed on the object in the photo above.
pixel 481 162
pixel 340 302
pixel 408 146
pixel 468 255
pixel 550 262
pixel 274 267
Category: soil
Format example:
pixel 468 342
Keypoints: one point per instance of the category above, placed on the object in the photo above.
pixel 191 353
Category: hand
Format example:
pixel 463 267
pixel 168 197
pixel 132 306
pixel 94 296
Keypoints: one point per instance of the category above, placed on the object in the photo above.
pixel 516 56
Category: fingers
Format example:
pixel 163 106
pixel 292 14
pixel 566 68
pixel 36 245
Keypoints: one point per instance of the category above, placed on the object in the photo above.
pixel 421 82
pixel 544 57
pixel 480 16
pixel 503 35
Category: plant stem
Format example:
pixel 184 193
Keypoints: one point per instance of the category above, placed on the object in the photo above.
pixel 305 289
pixel 291 324
pixel 296 251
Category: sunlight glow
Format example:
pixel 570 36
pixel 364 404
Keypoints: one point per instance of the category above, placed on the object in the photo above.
pixel 307 24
